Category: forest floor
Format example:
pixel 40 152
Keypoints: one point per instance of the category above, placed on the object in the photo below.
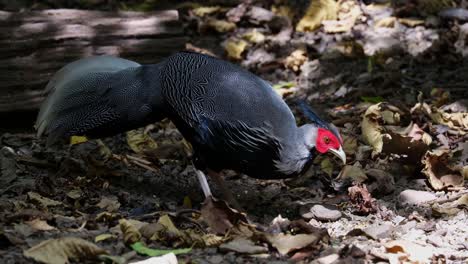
pixel 393 79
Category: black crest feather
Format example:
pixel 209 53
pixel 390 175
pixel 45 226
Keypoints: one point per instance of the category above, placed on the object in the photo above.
pixel 315 119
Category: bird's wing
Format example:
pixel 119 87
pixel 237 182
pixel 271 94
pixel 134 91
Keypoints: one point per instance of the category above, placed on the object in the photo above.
pixel 218 90
pixel 96 97
pixel 226 144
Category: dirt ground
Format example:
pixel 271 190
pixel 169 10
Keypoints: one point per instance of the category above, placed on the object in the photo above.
pixel 388 206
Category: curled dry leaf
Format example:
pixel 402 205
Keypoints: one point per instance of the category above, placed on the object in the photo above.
pixel 379 131
pixel 439 172
pixel 235 48
pixel 451 208
pixel 62 250
pixel 317 12
pixel 130 232
pixel 457 121
pixel 220 217
pixel 371 128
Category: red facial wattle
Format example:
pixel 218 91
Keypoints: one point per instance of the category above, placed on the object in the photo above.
pixel 326 140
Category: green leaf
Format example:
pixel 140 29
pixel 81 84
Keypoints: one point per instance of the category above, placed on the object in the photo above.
pixel 140 248
pixel 372 99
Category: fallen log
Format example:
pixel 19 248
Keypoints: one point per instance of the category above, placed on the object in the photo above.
pixel 34 45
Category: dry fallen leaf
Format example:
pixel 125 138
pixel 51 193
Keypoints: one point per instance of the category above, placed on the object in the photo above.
pixel 371 128
pixel 130 232
pixel 220 26
pixel 295 60
pixel 235 48
pixel 254 36
pixel 165 259
pixel 62 250
pixel 457 121
pixel 349 12
pixel 206 10
pixel 451 208
pixel 39 224
pixel 317 12
pixel 379 131
pixel 362 200
pixel 139 141
pixel 287 243
pixel 439 172
pixel 41 200
pixel 244 246
pixel 109 203
pixel 386 22
pixel 220 217
pixel 408 252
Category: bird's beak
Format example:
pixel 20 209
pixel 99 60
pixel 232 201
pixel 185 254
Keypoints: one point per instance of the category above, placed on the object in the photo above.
pixel 339 153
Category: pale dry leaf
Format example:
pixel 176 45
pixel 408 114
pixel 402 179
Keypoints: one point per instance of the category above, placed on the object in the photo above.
pixel 165 259
pixel 220 26
pixel 317 12
pixel 244 246
pixel 439 172
pixel 206 10
pixel 235 48
pixel 411 22
pixel 39 224
pixel 41 200
pixel 441 210
pixel 286 243
pixel 254 36
pixel 130 232
pixel 295 60
pixel 109 203
pixel 371 129
pixel 103 237
pixel 62 250
pixel 409 251
pixel 349 13
pixel 386 22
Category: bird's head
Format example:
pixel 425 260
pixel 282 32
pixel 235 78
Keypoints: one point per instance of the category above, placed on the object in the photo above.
pixel 322 136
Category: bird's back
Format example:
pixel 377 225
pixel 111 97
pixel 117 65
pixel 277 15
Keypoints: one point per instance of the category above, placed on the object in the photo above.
pixel 234 118
pixel 199 86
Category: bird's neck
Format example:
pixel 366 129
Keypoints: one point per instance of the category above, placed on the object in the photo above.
pixel 295 154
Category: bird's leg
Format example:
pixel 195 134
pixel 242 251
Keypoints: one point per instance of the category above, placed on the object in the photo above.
pixel 203 183
pixel 226 192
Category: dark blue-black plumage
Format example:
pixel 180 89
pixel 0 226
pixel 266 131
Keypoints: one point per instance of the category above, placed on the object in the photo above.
pixel 233 119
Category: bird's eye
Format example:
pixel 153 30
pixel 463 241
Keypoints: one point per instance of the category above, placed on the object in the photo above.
pixel 327 140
